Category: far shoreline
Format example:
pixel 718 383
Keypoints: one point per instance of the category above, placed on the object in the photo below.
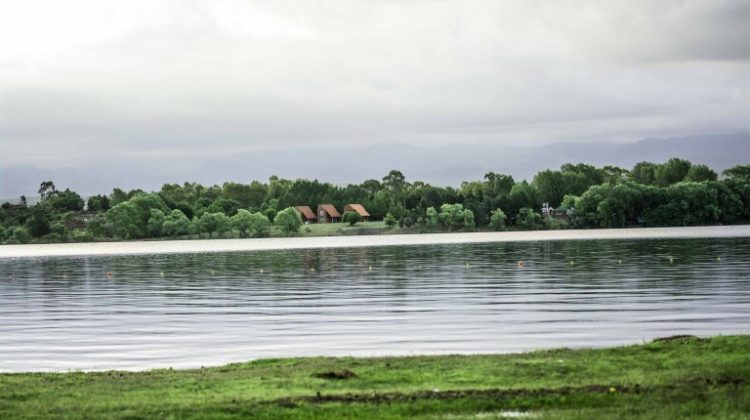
pixel 358 241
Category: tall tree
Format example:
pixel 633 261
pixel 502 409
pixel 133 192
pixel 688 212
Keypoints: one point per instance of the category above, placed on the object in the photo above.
pixel 288 221
pixel 671 172
pixel 47 190
pixel 698 173
pixel 739 171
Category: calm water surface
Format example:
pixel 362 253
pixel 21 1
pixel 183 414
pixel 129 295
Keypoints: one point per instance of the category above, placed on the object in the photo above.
pixel 210 309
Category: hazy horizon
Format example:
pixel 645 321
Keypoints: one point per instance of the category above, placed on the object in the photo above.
pixel 444 165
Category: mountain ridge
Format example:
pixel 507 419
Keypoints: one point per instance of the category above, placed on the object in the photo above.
pixel 439 165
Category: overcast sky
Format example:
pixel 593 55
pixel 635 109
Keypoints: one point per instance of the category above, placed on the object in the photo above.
pixel 85 80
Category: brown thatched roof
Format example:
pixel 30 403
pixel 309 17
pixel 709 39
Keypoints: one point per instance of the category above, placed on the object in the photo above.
pixel 306 212
pixel 328 208
pixel 358 208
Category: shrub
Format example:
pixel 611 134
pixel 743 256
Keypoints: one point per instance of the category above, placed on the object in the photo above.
pixel 176 224
pixel 288 221
pixel 528 219
pixel 256 225
pixel 431 217
pixel 351 217
pixel 390 220
pixel 454 216
pixel 21 234
pixel 497 220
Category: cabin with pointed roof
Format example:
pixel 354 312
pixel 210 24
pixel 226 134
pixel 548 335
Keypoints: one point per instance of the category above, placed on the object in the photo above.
pixel 358 208
pixel 327 213
pixel 306 213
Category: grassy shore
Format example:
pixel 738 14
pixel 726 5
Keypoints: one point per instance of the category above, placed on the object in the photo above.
pixel 336 229
pixel 676 378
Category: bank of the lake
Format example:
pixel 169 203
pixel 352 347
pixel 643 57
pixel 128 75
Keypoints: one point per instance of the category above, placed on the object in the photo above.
pixel 261 244
pixel 676 378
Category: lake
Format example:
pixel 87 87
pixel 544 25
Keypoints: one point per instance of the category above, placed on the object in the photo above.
pixel 189 310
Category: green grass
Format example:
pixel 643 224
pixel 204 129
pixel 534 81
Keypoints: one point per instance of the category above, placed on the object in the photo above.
pixel 337 229
pixel 682 378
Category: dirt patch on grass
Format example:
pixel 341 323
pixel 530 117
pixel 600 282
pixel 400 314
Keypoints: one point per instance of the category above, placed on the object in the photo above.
pixel 683 337
pixel 342 374
pixel 495 393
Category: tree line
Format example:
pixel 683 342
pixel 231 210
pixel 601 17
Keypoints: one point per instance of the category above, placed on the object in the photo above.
pixel 673 193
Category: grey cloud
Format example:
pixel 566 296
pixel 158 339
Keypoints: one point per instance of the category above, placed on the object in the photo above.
pixel 205 79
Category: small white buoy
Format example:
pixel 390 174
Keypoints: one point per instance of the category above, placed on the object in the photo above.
pixel 572 263
pixel 619 261
pixel 467 265
pixel 312 270
pixel 369 268
pixel 718 258
pixel 261 271
pixel 161 273
pixel 212 272
pixel 671 260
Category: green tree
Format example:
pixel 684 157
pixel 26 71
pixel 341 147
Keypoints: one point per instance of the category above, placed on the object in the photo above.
pixel 256 225
pixel 260 226
pixel 395 181
pixel 288 221
pixel 671 172
pixel 211 223
pixel 550 186
pixel 371 186
pixel 431 218
pixel 222 205
pixel 98 203
pixel 741 188
pixel 57 233
pixel 47 190
pixel 469 219
pixel 118 196
pixel 129 219
pixel 528 219
pixel 731 207
pixel 390 220
pixel 223 224
pixel 351 217
pixel 454 217
pixel 644 173
pixel 242 221
pixel 100 226
pixel 242 194
pixel 66 201
pixel 155 223
pixel 125 220
pixel 270 208
pixel 612 174
pixel 38 224
pixel 698 173
pixel 21 235
pixel 498 183
pixel 739 171
pixel 497 220
pixel 176 224
pixel 522 195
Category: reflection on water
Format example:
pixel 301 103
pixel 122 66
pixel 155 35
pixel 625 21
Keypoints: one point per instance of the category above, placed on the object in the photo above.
pixel 209 309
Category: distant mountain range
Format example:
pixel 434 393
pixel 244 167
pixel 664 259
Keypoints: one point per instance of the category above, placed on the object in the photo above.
pixel 439 165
